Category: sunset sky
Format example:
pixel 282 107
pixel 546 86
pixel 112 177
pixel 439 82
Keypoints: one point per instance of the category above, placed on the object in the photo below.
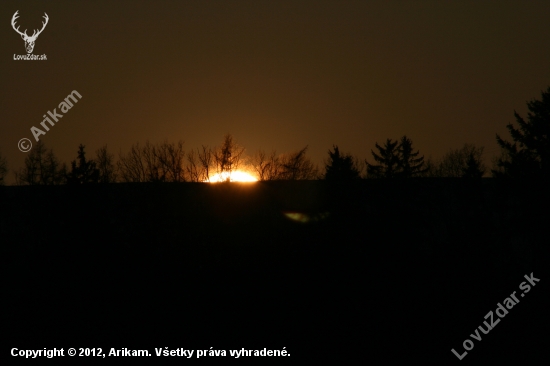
pixel 276 74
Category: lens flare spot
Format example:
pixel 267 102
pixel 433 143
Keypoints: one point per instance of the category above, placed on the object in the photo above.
pixel 303 217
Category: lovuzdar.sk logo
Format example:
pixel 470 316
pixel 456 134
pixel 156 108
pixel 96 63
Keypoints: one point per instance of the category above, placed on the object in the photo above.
pixel 29 40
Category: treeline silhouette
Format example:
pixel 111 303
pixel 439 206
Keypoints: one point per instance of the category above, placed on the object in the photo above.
pixel 163 162
pixel 526 156
pixel 404 261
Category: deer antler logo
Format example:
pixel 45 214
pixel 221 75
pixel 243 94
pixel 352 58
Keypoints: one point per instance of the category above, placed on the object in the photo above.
pixel 29 41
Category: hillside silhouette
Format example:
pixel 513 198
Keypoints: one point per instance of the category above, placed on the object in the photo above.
pixel 204 261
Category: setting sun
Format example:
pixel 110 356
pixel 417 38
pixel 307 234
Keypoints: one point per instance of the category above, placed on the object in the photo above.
pixel 236 176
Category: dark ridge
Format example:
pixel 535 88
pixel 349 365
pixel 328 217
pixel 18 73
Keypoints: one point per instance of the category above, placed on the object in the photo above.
pixel 381 266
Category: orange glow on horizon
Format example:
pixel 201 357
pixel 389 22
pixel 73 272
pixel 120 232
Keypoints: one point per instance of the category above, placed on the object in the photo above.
pixel 236 176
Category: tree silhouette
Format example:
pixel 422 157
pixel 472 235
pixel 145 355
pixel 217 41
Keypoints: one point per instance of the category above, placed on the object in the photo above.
pixel 529 154
pixel 41 167
pixel 170 159
pixel 409 165
pixel 464 162
pixel 430 168
pixel 132 166
pixel 3 169
pixel 199 164
pixel 387 159
pixel 228 157
pixel 474 167
pixel 296 166
pixel 153 163
pixel 82 170
pixel 106 166
pixel 192 168
pixel 292 166
pixel 267 167
pixel 340 167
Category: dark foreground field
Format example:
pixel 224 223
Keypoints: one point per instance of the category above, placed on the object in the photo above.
pixel 395 271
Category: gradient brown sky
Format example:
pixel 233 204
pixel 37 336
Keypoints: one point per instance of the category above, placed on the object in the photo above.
pixel 276 74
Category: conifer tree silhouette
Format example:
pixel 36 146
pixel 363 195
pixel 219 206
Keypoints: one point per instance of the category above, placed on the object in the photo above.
pixel 387 159
pixel 409 165
pixel 529 154
pixel 473 168
pixel 340 166
pixel 83 172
